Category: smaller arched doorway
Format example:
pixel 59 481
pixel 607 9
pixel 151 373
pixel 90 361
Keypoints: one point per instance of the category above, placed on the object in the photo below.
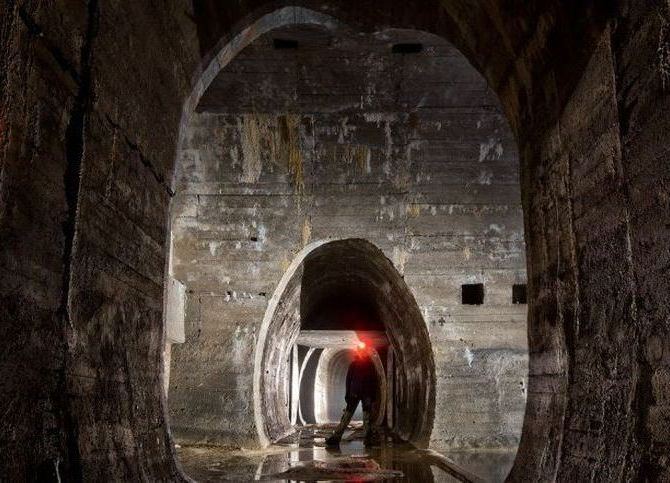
pixel 323 358
pixel 351 288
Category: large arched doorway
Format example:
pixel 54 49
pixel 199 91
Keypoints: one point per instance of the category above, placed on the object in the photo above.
pixel 429 175
pixel 545 100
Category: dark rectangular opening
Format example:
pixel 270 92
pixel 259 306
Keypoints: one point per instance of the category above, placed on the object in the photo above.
pixel 408 48
pixel 519 293
pixel 285 44
pixel 472 294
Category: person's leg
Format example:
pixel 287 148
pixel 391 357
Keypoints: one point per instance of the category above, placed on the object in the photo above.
pixel 367 423
pixel 347 414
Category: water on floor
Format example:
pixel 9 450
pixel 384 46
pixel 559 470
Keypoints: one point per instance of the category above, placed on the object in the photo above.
pixel 304 457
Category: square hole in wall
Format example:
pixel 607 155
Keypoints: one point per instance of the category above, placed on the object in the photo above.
pixel 472 294
pixel 519 293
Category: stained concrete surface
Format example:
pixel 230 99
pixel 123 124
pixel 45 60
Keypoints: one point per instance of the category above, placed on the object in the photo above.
pixel 304 458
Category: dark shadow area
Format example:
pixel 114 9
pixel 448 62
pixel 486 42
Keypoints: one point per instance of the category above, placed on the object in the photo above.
pixel 344 307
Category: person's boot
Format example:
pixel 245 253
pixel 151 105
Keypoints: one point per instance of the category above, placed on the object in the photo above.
pixel 367 428
pixel 335 438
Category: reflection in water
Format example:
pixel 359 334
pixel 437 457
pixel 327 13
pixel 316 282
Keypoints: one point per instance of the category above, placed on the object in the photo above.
pixel 380 464
pixel 491 465
pixel 305 458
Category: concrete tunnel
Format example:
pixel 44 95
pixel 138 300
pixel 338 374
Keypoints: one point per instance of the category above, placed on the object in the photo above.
pixel 193 197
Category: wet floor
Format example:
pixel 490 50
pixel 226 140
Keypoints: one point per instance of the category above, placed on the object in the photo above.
pixel 304 457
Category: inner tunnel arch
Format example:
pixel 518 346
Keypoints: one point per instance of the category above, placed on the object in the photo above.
pixel 362 264
pixel 324 392
pixel 331 372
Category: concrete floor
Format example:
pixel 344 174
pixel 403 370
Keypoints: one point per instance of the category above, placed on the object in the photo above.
pixel 304 457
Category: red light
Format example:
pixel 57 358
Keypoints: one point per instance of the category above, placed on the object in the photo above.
pixel 361 345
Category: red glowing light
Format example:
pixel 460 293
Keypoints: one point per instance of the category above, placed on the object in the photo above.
pixel 361 345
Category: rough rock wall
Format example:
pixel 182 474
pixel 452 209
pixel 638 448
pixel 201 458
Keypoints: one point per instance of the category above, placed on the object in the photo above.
pixel 642 79
pixel 37 96
pixel 596 184
pixel 344 139
pixel 86 147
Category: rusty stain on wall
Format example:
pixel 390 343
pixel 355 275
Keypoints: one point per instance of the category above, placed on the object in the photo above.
pixel 250 141
pixel 290 137
pixel 273 139
pixel 306 231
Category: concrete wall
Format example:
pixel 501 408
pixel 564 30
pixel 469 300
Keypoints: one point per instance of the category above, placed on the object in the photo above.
pixel 342 138
pixel 86 147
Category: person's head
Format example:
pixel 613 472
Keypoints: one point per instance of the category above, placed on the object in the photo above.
pixel 360 352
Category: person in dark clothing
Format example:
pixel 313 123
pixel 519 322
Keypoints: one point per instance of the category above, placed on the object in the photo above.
pixel 361 387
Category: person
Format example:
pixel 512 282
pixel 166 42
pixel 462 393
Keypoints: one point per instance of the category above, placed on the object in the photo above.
pixel 361 387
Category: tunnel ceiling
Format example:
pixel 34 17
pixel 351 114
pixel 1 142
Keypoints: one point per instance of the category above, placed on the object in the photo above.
pixel 346 305
pixel 338 292
pixel 325 71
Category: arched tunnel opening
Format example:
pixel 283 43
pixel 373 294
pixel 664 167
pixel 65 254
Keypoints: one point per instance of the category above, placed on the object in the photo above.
pixel 345 320
pixel 330 385
pixel 316 209
pixel 344 293
pixel 337 324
